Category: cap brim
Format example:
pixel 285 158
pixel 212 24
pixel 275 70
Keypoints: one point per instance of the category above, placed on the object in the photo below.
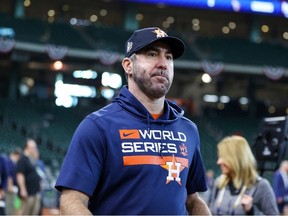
pixel 177 46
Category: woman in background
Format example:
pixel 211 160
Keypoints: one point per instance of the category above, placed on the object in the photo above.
pixel 239 190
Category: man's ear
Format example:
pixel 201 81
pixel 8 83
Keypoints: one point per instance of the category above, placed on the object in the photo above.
pixel 127 65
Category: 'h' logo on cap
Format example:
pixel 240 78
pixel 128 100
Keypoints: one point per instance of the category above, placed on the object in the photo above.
pixel 160 33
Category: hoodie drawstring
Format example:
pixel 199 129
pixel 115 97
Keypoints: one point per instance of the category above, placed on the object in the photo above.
pixel 161 146
pixel 148 122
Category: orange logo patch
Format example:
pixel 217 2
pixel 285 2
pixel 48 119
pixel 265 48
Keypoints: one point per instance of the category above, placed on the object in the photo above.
pixel 129 134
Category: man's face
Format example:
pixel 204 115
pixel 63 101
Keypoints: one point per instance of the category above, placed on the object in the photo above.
pixel 153 70
pixel 32 149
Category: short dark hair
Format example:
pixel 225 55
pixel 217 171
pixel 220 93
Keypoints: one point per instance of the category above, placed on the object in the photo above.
pixel 16 151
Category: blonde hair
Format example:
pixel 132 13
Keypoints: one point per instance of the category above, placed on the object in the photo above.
pixel 237 155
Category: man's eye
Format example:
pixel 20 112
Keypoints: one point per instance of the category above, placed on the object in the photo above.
pixel 152 54
pixel 169 57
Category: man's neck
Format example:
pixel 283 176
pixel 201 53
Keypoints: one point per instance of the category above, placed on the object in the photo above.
pixel 153 105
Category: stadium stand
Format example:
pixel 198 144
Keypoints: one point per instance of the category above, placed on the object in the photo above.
pixel 230 50
pixel 242 51
pixel 51 126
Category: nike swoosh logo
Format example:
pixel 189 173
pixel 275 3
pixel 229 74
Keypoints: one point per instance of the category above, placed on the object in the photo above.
pixel 127 134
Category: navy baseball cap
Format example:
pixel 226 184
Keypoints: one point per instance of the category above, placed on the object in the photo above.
pixel 143 37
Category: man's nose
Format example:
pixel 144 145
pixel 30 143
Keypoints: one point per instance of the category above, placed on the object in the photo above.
pixel 162 61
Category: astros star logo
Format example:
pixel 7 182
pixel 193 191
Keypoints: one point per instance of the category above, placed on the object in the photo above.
pixel 174 168
pixel 160 33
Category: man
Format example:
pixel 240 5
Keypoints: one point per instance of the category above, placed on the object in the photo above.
pixel 138 155
pixel 280 185
pixel 29 182
pixel 12 187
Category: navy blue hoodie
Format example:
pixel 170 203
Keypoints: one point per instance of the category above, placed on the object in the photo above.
pixel 129 163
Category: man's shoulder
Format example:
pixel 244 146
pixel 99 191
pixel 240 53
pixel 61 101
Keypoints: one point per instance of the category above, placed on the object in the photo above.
pixel 188 122
pixel 107 110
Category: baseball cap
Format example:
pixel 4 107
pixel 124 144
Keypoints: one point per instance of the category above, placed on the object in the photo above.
pixel 143 37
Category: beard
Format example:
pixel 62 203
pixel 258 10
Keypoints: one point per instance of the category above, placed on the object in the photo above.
pixel 154 85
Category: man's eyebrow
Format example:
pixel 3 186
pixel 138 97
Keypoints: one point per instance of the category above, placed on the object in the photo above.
pixel 153 48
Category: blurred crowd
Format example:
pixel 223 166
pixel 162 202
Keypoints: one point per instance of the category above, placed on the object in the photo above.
pixel 26 185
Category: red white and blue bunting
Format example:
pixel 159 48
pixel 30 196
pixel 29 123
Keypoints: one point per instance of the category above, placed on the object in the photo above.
pixel 274 73
pixel 107 57
pixel 56 52
pixel 212 68
pixel 6 44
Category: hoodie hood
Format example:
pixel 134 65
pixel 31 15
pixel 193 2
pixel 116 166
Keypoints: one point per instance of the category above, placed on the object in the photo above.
pixel 130 103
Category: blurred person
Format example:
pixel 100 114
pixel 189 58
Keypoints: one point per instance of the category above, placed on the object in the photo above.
pixel 138 155
pixel 3 183
pixel 210 183
pixel 280 185
pixel 239 190
pixel 28 179
pixel 210 178
pixel 12 198
pixel 40 168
